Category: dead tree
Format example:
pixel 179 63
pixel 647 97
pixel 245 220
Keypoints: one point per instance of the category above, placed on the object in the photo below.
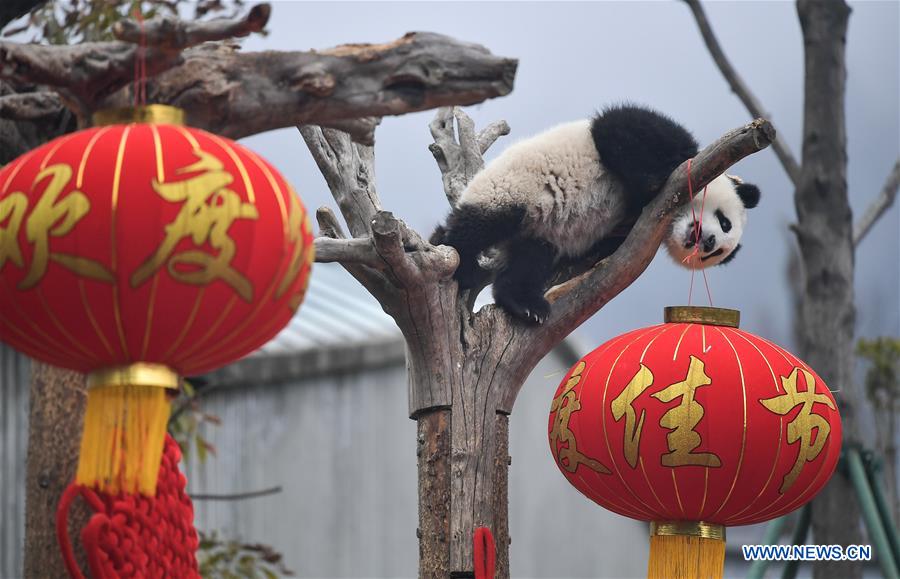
pixel 827 239
pixel 466 368
pixel 232 93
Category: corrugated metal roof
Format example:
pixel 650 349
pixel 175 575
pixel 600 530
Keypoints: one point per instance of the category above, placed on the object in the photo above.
pixel 337 311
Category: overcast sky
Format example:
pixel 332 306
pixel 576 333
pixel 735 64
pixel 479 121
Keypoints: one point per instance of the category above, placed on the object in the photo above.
pixel 577 57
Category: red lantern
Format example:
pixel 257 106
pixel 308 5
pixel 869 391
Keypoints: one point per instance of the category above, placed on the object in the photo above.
pixel 694 425
pixel 139 252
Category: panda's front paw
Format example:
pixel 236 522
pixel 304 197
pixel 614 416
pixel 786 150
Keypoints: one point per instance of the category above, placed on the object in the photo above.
pixel 530 309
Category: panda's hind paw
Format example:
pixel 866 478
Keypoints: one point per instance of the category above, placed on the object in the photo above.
pixel 534 310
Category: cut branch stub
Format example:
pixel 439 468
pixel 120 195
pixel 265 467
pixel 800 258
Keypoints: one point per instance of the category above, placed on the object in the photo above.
pixel 388 241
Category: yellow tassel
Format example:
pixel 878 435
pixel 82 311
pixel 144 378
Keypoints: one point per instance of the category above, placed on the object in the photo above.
pixel 686 551
pixel 124 428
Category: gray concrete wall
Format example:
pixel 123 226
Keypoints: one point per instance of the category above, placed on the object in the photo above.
pixel 15 372
pixel 343 449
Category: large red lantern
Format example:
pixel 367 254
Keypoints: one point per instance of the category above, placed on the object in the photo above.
pixel 137 253
pixel 694 425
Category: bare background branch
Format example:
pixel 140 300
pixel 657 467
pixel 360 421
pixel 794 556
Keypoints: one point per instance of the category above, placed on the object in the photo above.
pixel 740 88
pixel 879 206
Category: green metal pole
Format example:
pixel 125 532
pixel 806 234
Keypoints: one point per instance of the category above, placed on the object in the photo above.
pixel 889 526
pixel 798 538
pixel 773 533
pixel 870 515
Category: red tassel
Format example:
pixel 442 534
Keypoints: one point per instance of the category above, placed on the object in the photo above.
pixel 485 553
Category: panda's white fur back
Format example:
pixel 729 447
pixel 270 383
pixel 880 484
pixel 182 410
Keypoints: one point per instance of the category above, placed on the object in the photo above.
pixel 557 178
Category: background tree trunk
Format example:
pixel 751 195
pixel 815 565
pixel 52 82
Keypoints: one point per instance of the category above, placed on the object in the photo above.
pixel 825 235
pixel 53 439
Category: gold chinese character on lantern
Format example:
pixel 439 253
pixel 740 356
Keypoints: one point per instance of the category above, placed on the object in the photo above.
pixel 565 446
pixel 623 406
pixel 800 429
pixel 298 227
pixel 208 210
pixel 52 216
pixel 682 419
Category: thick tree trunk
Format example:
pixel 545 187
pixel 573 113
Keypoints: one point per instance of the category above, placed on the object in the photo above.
pixel 825 234
pixel 53 438
pixel 463 473
pixel 437 500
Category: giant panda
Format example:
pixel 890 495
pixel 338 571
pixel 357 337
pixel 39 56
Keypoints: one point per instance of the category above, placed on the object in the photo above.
pixel 562 194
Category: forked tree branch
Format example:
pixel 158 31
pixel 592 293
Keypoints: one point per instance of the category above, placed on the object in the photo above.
pixel 740 88
pixel 458 152
pixel 237 94
pixel 879 206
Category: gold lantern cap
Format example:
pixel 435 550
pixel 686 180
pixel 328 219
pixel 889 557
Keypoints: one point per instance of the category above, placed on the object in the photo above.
pixel 158 114
pixel 702 315
pixel 687 528
pixel 136 374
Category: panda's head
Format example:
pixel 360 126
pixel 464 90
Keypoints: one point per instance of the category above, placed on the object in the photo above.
pixel 724 216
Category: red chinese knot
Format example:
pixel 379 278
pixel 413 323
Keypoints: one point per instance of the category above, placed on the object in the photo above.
pixel 694 421
pixel 130 535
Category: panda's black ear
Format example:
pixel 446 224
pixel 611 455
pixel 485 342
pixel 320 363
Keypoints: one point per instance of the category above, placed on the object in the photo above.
pixel 749 194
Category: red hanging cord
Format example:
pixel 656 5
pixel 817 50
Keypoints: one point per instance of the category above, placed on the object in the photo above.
pixel 698 228
pixel 485 553
pixel 140 62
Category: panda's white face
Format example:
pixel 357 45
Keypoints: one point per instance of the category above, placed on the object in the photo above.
pixel 724 216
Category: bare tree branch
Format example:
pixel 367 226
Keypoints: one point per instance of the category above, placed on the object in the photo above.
pixel 459 159
pixel 740 88
pixel 168 33
pixel 85 75
pixel 879 206
pixel 329 226
pixel 30 106
pixel 237 496
pixel 349 170
pixel 356 250
pixel 388 241
pixel 239 94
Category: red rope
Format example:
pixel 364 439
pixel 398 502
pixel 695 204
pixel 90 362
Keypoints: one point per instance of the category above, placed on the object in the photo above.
pixel 485 553
pixel 133 536
pixel 698 229
pixel 140 62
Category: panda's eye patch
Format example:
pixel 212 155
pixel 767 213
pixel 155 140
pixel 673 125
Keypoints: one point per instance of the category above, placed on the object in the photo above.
pixel 724 222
